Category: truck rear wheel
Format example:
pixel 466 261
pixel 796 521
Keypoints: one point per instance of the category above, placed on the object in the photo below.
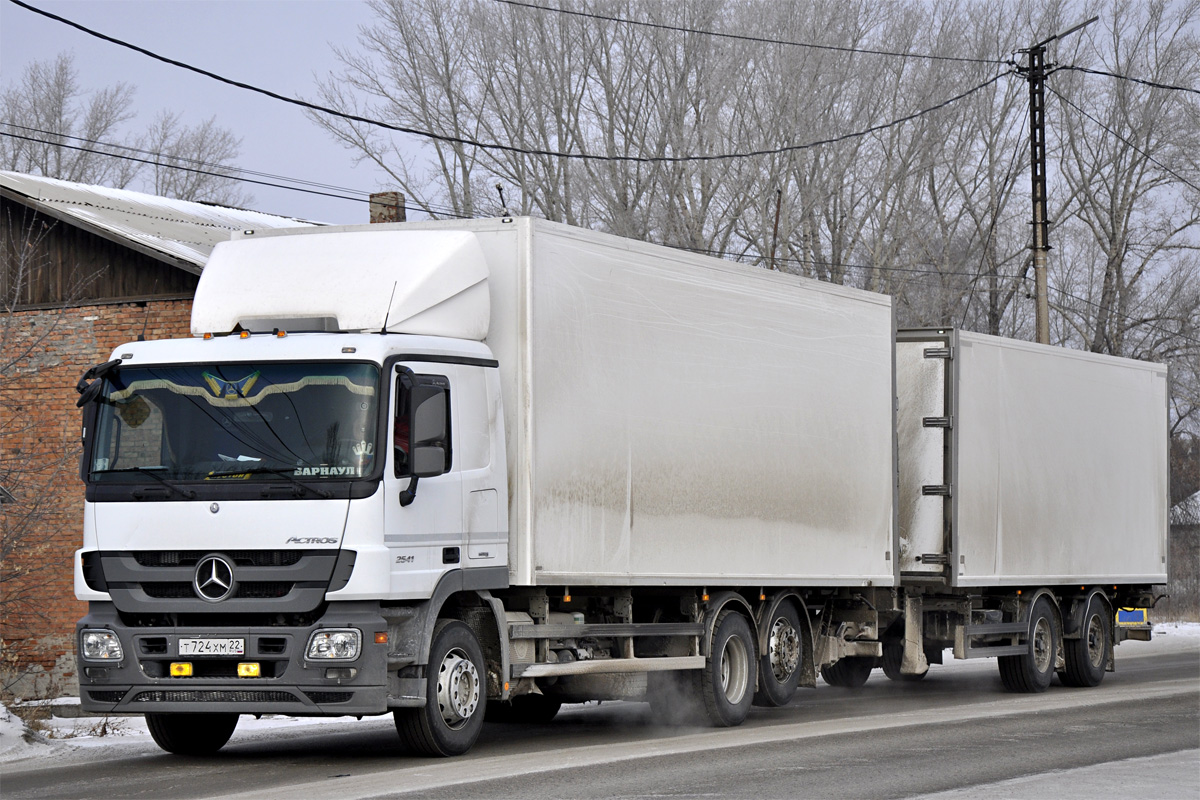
pixel 848 673
pixel 779 667
pixel 1086 655
pixel 893 657
pixel 455 695
pixel 1031 671
pixel 191 734
pixel 727 680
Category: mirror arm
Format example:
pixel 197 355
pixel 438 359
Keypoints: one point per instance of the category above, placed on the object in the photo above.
pixel 408 495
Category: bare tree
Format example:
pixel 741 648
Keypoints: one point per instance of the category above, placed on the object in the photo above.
pixel 203 150
pixel 53 127
pixel 59 126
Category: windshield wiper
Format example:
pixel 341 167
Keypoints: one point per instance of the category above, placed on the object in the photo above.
pixel 188 493
pixel 258 470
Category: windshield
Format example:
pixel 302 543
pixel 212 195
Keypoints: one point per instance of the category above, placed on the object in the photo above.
pixel 228 422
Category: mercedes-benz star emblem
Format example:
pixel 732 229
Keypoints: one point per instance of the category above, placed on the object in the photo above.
pixel 214 508
pixel 214 579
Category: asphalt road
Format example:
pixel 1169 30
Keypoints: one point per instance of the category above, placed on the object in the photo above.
pixel 958 732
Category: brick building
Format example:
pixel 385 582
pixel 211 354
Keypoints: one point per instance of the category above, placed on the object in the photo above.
pixel 84 269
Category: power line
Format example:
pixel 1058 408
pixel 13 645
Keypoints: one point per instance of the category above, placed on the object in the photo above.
pixel 1155 84
pixel 755 39
pixel 179 167
pixel 1126 141
pixel 506 147
pixel 181 159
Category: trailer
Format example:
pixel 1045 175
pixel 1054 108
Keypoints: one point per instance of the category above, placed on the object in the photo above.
pixel 479 469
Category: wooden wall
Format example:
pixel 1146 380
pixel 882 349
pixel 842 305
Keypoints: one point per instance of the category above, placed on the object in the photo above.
pixel 50 263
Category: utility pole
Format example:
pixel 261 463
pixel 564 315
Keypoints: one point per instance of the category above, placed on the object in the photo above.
pixel 1035 73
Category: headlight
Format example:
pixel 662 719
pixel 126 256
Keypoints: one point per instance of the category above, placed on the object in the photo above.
pixel 339 645
pixel 102 646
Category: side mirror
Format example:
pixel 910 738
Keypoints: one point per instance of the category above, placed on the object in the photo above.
pixel 428 461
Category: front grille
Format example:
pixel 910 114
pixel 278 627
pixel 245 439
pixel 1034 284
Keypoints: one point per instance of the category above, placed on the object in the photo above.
pixel 154 646
pixel 325 698
pixel 273 646
pixel 213 696
pixel 242 558
pixel 106 696
pixel 171 590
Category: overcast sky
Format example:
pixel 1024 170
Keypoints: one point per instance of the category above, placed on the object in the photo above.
pixel 276 44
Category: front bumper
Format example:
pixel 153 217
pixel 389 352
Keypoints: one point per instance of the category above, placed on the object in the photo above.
pixel 290 684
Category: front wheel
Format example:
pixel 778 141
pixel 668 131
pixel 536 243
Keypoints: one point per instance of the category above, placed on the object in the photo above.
pixel 893 657
pixel 727 680
pixel 1031 671
pixel 1085 657
pixel 455 695
pixel 191 734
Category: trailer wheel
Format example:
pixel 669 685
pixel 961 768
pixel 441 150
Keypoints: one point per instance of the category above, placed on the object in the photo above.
pixel 727 680
pixel 530 709
pixel 893 657
pixel 191 734
pixel 779 667
pixel 848 673
pixel 1086 655
pixel 456 697
pixel 1031 671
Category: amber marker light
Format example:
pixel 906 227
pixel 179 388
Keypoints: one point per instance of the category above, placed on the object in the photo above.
pixel 181 669
pixel 381 637
pixel 249 669
pixel 281 334
pixel 244 334
pixel 207 336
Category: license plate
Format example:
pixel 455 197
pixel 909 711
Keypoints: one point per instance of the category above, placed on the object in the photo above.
pixel 212 647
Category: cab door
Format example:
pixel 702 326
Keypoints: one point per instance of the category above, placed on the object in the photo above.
pixel 423 512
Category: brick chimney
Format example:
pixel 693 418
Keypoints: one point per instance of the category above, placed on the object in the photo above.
pixel 387 207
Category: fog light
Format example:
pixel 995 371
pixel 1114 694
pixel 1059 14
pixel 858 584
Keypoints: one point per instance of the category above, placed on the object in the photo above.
pixel 339 645
pixel 181 669
pixel 249 669
pixel 101 646
pixel 340 673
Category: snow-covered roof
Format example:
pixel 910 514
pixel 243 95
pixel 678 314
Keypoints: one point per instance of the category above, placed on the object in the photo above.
pixel 178 232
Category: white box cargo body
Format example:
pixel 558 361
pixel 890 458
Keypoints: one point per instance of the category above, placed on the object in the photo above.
pixel 676 419
pixel 1049 465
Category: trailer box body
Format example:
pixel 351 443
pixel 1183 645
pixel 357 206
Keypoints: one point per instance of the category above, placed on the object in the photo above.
pixel 1026 465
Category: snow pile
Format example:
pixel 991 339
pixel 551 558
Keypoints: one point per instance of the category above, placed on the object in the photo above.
pixel 1177 629
pixel 15 737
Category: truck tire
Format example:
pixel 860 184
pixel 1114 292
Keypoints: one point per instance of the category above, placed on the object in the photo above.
pixel 848 673
pixel 530 709
pixel 893 657
pixel 1085 657
pixel 727 680
pixel 191 734
pixel 779 667
pixel 1030 672
pixel 456 695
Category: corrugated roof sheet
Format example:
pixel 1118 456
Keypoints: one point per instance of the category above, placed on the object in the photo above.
pixel 179 229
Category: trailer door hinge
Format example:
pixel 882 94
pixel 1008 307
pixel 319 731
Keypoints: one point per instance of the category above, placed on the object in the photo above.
pixel 940 489
pixel 934 558
pixel 939 352
pixel 938 422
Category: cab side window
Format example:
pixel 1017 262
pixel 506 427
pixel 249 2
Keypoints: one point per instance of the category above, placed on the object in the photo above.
pixel 422 409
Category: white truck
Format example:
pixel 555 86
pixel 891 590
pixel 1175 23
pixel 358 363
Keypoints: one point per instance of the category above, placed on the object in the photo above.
pixel 449 470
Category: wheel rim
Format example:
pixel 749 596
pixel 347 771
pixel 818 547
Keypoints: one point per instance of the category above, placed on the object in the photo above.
pixel 457 689
pixel 1043 645
pixel 784 649
pixel 1095 640
pixel 735 669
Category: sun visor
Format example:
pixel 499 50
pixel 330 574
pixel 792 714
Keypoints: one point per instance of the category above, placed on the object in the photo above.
pixel 431 283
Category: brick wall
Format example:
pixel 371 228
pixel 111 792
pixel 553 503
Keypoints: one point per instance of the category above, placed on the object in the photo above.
pixel 42 355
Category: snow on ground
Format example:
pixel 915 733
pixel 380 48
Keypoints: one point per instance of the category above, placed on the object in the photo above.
pixel 65 738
